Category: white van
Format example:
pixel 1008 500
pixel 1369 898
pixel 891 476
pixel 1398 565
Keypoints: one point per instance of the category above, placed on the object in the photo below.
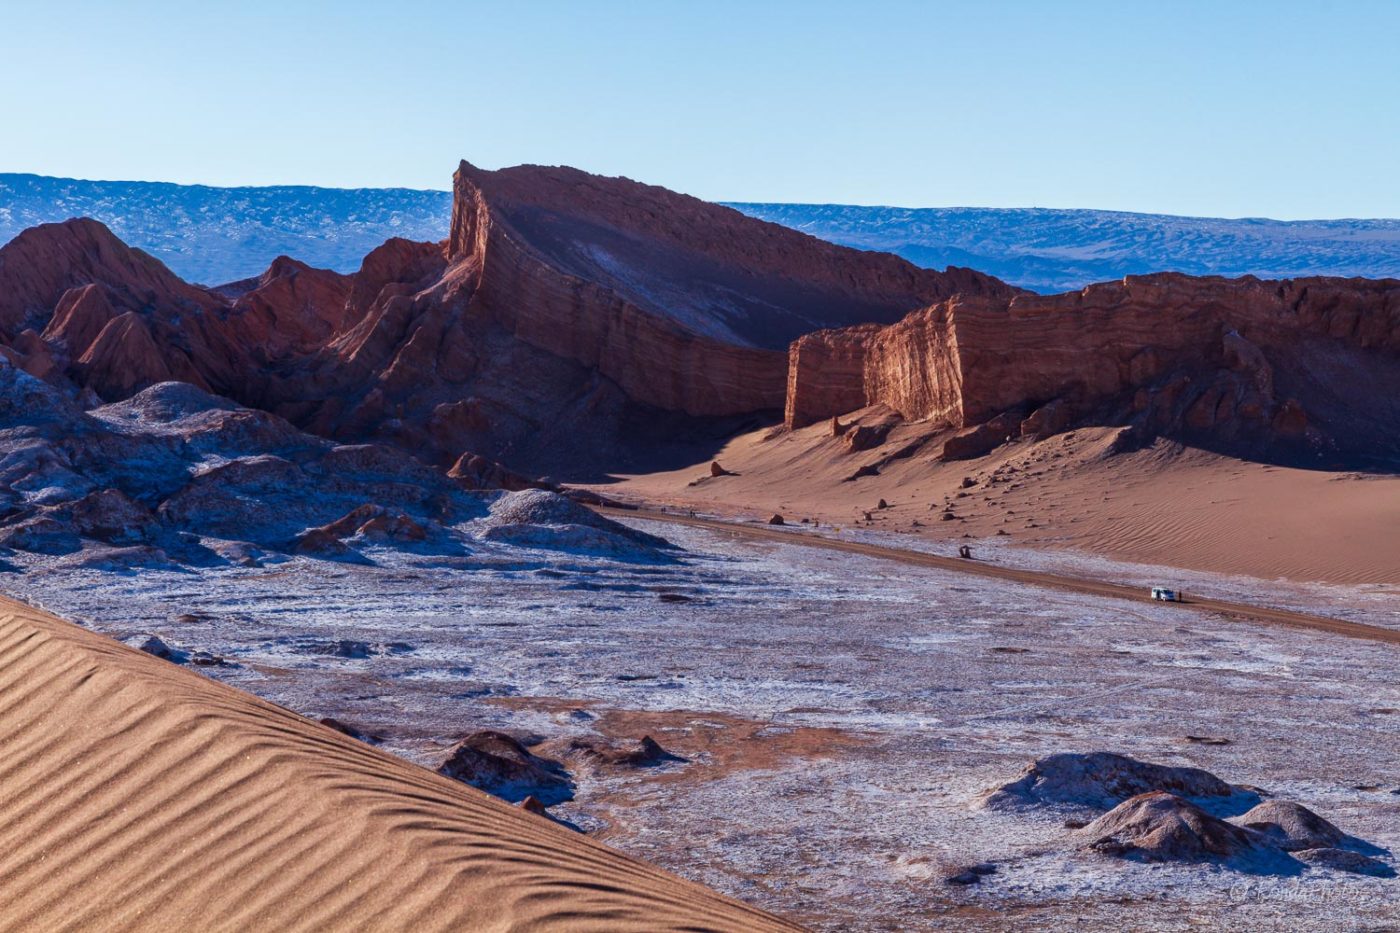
pixel 1162 594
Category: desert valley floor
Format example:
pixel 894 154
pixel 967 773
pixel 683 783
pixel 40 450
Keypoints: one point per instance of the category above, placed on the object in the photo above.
pixel 833 721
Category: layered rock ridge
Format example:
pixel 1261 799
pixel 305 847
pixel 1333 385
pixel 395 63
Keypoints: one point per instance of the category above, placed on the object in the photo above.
pixel 684 304
pixel 564 311
pixel 1311 363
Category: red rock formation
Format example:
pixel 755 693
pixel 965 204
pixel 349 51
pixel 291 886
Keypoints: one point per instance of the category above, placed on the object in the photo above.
pixel 680 302
pixel 291 308
pixel 42 263
pixel 1225 358
pixel 568 311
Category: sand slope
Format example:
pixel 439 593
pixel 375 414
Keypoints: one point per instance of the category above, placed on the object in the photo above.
pixel 1165 505
pixel 138 795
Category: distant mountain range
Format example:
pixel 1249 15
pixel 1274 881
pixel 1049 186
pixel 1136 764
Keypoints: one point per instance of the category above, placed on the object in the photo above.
pixel 216 235
pixel 1058 250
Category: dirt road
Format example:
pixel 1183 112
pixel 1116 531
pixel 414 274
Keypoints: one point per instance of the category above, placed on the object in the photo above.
pixel 1231 610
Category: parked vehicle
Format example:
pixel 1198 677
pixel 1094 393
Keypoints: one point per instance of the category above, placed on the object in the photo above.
pixel 1165 595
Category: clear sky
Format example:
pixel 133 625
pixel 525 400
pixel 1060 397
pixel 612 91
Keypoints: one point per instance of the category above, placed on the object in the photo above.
pixel 1281 109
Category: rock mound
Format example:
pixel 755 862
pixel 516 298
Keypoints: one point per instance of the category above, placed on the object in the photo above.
pixel 1100 780
pixel 1291 825
pixel 1162 827
pixel 543 519
pixel 648 753
pixel 499 764
pixel 174 466
pixel 1345 860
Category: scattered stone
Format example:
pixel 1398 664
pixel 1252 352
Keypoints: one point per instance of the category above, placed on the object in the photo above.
pixel 776 520
pixel 674 598
pixel 968 482
pixel 882 504
pixel 947 517
pixel 1207 740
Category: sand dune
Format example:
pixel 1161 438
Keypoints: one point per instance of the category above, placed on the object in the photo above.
pixel 1165 505
pixel 143 796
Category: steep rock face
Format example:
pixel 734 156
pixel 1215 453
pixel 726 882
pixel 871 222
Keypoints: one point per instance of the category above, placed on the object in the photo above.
pixel 683 304
pixel 1222 359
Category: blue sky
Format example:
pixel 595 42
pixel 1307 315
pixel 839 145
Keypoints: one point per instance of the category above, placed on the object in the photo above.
pixel 1276 109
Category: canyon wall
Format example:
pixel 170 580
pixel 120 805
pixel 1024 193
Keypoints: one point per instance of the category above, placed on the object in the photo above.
pixel 1239 357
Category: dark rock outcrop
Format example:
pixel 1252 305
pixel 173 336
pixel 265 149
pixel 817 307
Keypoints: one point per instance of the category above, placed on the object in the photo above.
pixel 1100 780
pixel 499 764
pixel 1161 827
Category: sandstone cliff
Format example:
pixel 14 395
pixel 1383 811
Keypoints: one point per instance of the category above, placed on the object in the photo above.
pixel 1220 360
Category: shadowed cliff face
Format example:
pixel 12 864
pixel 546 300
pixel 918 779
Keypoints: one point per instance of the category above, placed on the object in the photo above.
pixel 1241 364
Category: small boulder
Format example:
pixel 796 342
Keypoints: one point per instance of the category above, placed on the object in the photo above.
pixel 717 470
pixel 154 645
pixel 776 520
pixel 866 436
pixel 346 729
pixel 971 874
pixel 532 804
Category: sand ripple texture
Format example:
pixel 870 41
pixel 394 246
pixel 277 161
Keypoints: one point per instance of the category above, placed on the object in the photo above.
pixel 139 796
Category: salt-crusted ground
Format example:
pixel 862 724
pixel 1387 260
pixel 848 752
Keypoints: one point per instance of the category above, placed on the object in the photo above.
pixel 840 714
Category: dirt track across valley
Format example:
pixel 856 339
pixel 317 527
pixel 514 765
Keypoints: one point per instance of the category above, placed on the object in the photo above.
pixel 1230 610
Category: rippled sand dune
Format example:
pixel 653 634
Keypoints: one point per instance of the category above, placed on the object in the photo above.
pixel 142 796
